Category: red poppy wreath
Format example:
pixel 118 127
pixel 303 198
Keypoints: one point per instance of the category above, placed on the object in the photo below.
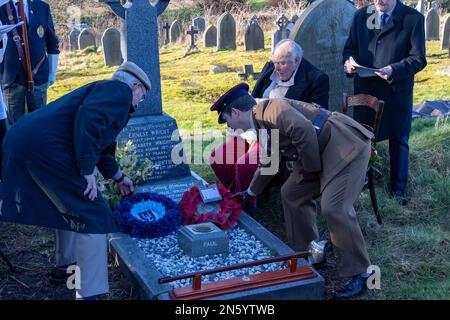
pixel 226 218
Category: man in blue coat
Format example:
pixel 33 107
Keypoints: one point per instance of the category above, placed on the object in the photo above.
pixel 44 54
pixel 48 170
pixel 388 36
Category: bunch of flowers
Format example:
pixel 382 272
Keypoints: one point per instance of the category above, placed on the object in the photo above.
pixel 375 160
pixel 127 161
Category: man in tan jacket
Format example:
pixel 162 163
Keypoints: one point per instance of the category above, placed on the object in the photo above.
pixel 331 153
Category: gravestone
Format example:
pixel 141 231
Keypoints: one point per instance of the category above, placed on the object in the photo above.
pixel 432 25
pixel 210 37
pixel 247 72
pixel 421 6
pixel 73 39
pixel 153 132
pixel 192 46
pixel 175 32
pixel 199 23
pixel 254 36
pixel 322 31
pixel 445 34
pixel 282 30
pixel 166 28
pixel 86 39
pixel 226 32
pixel 111 47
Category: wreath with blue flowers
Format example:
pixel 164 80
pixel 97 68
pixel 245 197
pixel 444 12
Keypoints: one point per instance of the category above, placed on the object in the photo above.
pixel 148 215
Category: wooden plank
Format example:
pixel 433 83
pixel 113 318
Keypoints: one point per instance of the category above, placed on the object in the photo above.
pixel 243 283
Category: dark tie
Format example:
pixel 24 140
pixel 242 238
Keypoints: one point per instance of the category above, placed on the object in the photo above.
pixel 384 19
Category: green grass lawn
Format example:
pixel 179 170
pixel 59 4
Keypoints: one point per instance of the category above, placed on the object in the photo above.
pixel 412 247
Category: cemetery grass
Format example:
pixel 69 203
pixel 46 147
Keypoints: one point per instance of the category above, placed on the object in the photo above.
pixel 412 247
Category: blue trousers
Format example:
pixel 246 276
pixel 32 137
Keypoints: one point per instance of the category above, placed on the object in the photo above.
pixel 399 155
pixel 17 96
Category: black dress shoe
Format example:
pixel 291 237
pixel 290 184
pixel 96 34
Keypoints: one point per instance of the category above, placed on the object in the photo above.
pixel 399 196
pixel 353 288
pixel 59 274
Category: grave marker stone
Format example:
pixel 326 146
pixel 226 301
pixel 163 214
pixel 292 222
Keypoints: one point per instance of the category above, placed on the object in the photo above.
pixel 322 31
pixel 445 34
pixel 226 32
pixel 111 47
pixel 73 39
pixel 254 36
pixel 166 28
pixel 432 25
pixel 282 33
pixel 199 23
pixel 153 132
pixel 86 39
pixel 210 37
pixel 175 32
pixel 192 46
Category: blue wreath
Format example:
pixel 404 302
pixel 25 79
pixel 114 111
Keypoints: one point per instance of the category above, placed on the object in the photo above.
pixel 165 224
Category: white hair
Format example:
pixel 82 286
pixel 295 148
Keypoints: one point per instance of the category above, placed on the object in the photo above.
pixel 126 77
pixel 294 50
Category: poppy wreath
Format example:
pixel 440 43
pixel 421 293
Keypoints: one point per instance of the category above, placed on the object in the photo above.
pixel 162 215
pixel 230 209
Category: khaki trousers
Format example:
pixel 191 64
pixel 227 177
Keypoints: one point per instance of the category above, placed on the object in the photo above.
pixel 337 201
pixel 89 251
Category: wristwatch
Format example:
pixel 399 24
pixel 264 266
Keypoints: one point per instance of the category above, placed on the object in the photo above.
pixel 121 178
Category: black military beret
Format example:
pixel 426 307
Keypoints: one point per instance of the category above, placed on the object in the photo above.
pixel 228 97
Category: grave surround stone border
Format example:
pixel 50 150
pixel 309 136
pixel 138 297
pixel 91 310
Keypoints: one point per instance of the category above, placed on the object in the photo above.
pixel 145 276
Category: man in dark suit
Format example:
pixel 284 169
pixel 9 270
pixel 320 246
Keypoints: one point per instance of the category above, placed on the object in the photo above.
pixel 388 36
pixel 44 54
pixel 288 75
pixel 49 160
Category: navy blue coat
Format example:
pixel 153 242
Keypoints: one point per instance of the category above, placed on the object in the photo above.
pixel 39 16
pixel 47 152
pixel 401 44
pixel 310 84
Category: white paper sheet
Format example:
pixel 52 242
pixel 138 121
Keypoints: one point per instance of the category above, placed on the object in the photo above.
pixel 362 71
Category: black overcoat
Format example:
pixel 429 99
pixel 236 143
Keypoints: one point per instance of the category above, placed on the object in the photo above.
pixel 47 152
pixel 401 44
pixel 310 84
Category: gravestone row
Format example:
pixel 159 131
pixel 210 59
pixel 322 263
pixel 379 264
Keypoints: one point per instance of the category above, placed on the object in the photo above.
pixel 223 35
pixel 80 40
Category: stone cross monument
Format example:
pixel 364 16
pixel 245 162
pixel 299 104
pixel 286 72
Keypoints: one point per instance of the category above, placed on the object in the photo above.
pixel 166 28
pixel 151 131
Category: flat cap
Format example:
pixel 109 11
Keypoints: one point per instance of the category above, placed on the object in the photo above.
pixel 228 97
pixel 133 68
